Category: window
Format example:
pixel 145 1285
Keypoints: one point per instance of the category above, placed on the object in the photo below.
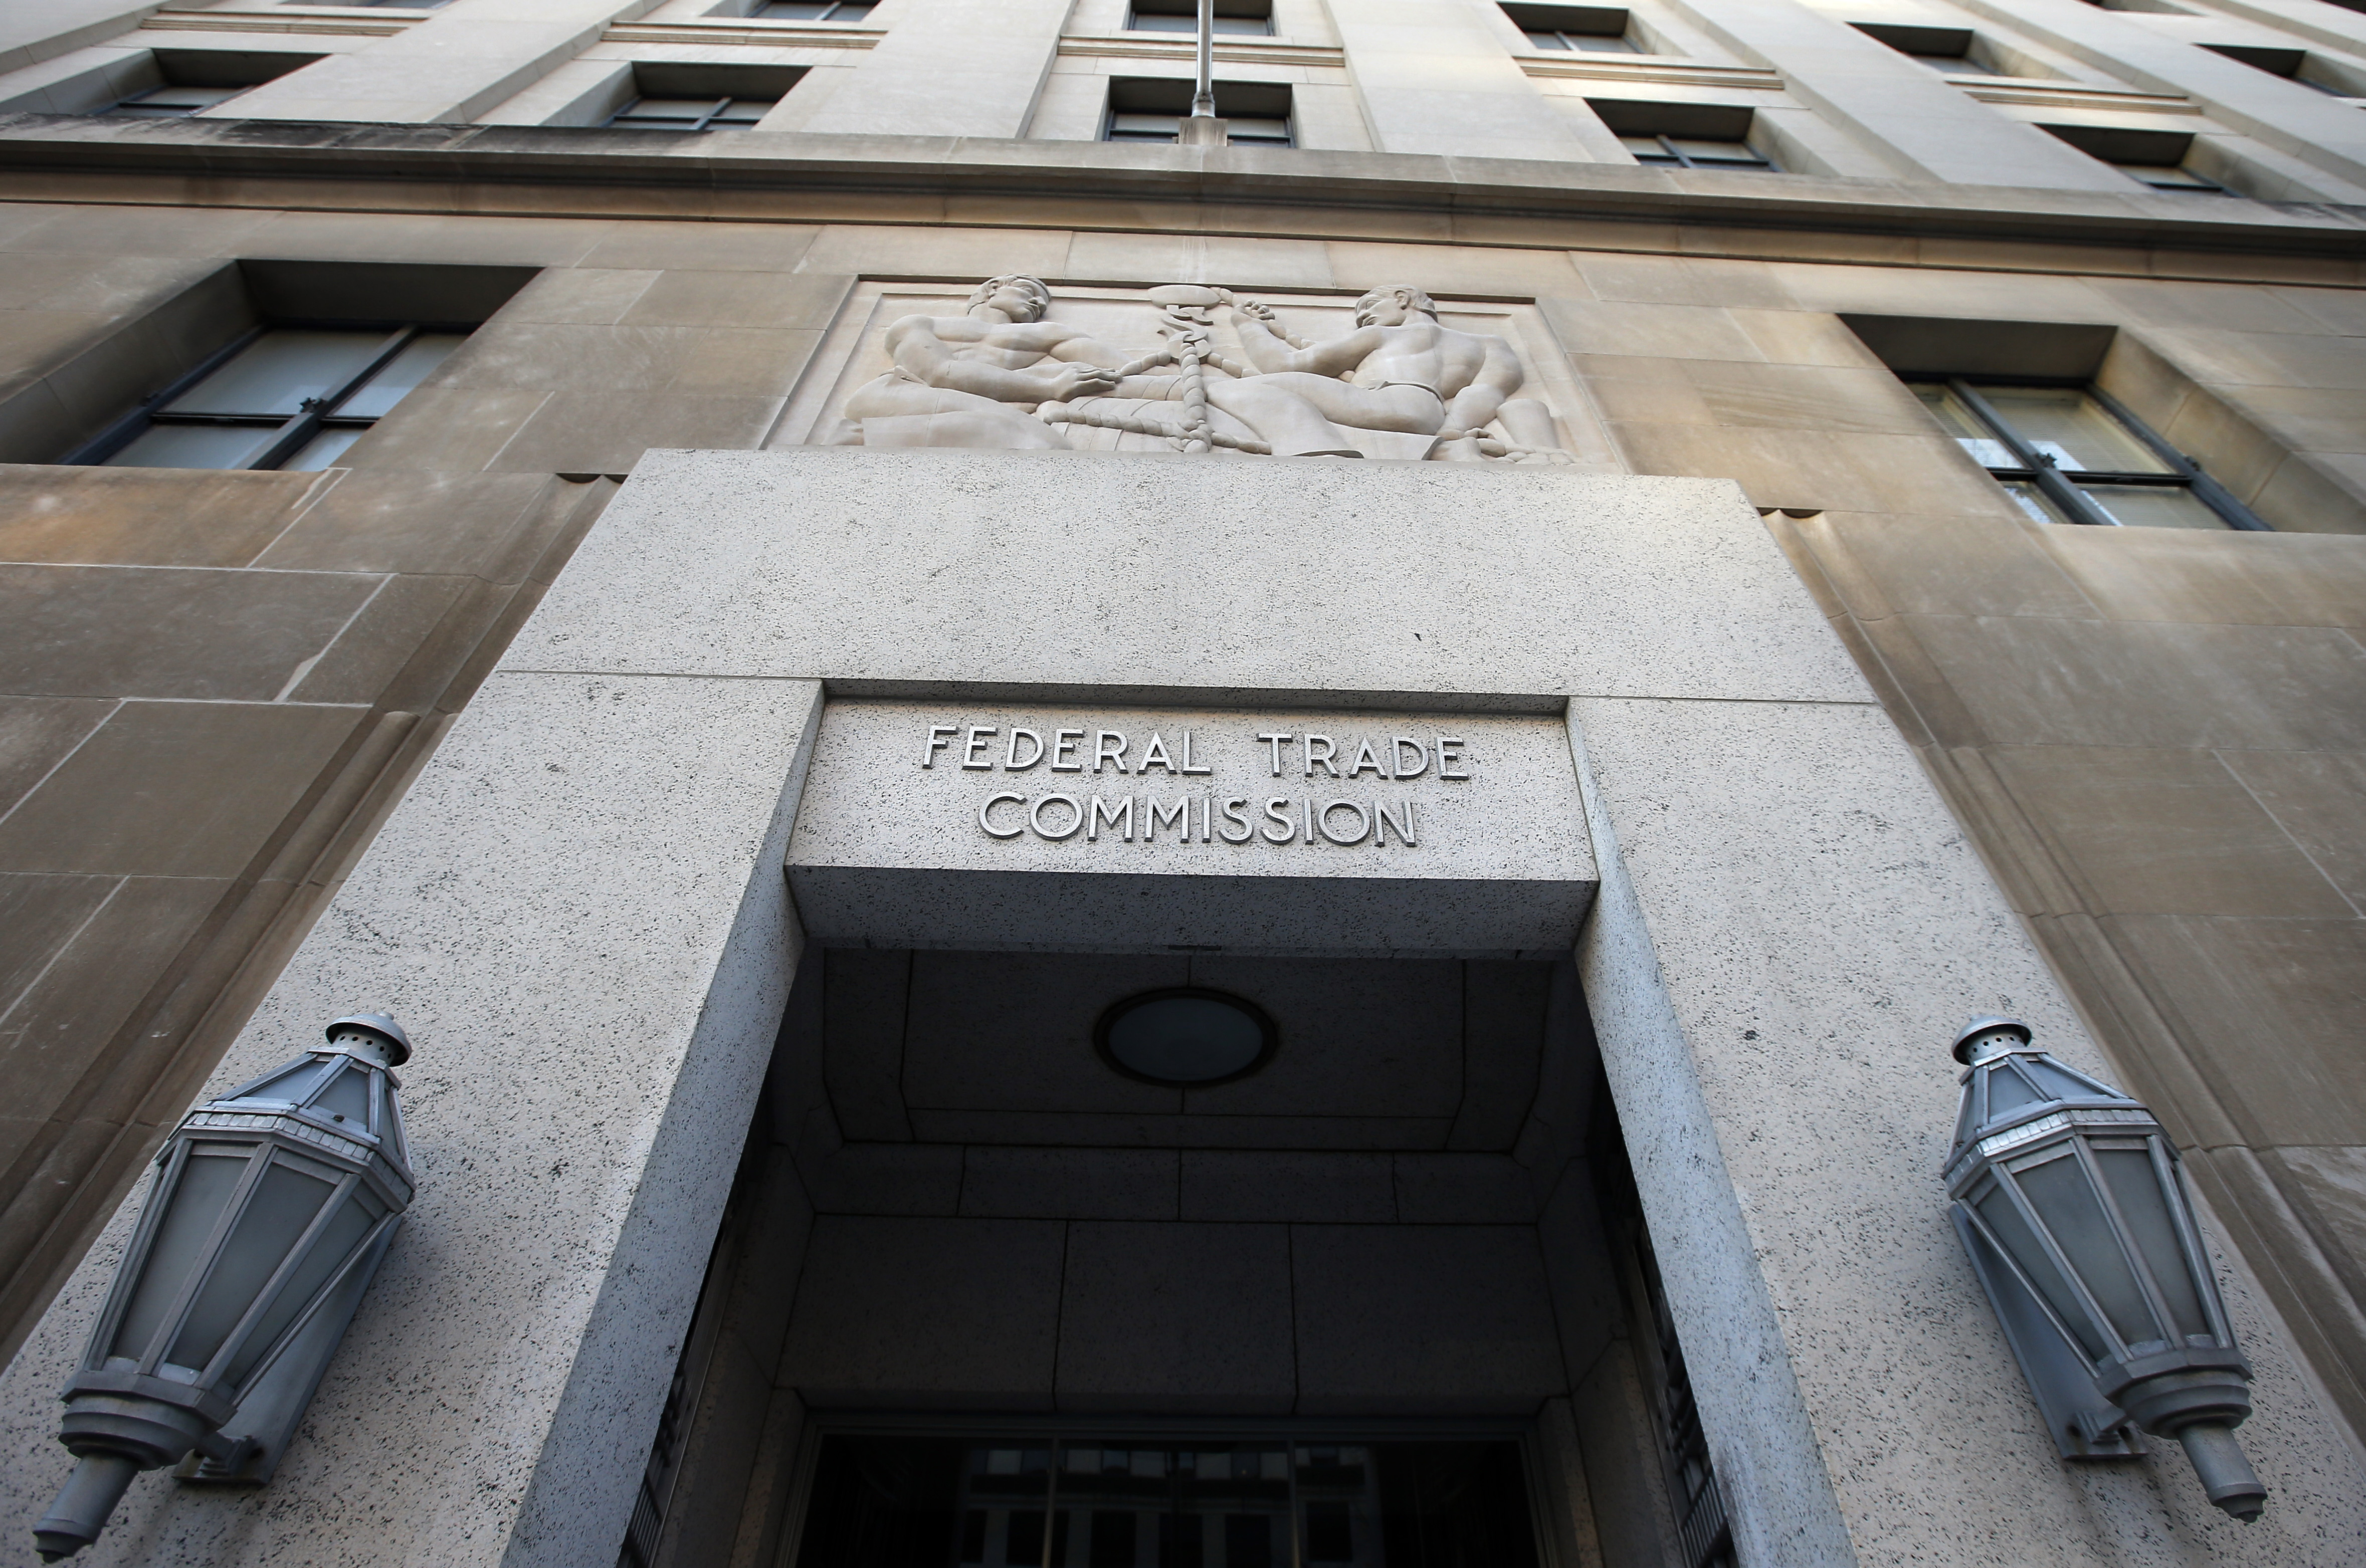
pixel 693 114
pixel 2157 158
pixel 1114 1500
pixel 1683 136
pixel 278 398
pixel 814 10
pixel 1949 50
pixel 184 81
pixel 670 95
pixel 171 103
pixel 1256 114
pixel 2292 65
pixel 1694 153
pixel 1590 29
pixel 1251 17
pixel 2075 454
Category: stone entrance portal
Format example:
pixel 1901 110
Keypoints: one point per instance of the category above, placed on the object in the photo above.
pixel 591 912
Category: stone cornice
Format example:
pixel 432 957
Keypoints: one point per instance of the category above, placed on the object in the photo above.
pixel 1236 50
pixel 366 20
pixel 1657 69
pixel 744 30
pixel 2074 95
pixel 793 176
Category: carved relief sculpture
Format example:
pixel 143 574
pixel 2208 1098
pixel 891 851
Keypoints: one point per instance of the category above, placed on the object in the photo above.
pixel 1400 384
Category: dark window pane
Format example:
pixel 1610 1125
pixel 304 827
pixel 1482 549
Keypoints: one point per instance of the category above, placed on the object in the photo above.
pixel 889 1503
pixel 1144 128
pixel 1248 1540
pixel 1549 40
pixel 1259 132
pixel 2153 506
pixel 280 371
pixel 1448 1505
pixel 1212 1504
pixel 2071 427
pixel 1328 1537
pixel 2163 177
pixel 400 373
pixel 741 113
pixel 1023 1541
pixel 172 103
pixel 1112 1540
pixel 1181 1541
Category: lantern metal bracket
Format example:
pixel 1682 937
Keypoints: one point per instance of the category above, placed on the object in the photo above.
pixel 2083 1424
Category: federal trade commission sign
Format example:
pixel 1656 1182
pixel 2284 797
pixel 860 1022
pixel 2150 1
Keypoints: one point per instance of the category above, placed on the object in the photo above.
pixel 1001 825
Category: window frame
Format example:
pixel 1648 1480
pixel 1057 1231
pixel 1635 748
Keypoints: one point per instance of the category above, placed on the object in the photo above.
pixel 829 15
pixel 1228 110
pixel 1671 156
pixel 1134 10
pixel 718 107
pixel 2064 493
pixel 295 433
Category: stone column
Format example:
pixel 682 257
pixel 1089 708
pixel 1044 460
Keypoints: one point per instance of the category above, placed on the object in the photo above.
pixel 1435 78
pixel 1890 101
pixel 2317 129
pixel 579 914
pixel 949 68
pixel 450 65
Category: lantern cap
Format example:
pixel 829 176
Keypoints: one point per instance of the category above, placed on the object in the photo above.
pixel 1961 1049
pixel 382 1025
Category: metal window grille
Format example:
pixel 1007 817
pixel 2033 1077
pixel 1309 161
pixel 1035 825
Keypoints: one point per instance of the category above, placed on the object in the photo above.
pixel 1697 152
pixel 692 114
pixel 171 103
pixel 1703 1531
pixel 814 10
pixel 281 397
pixel 1586 43
pixel 2075 454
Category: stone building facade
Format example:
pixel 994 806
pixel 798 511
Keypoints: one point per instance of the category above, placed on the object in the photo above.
pixel 1875 490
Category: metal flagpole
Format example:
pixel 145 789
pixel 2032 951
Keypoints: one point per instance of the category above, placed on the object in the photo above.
pixel 1202 128
pixel 1203 102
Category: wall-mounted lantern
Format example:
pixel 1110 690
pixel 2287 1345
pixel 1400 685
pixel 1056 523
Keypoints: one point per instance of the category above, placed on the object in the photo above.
pixel 2068 1197
pixel 271 1209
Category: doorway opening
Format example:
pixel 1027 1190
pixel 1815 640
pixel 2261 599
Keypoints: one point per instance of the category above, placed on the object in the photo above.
pixel 990 1295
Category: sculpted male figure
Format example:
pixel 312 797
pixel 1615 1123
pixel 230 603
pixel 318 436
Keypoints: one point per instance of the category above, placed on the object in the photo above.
pixel 968 380
pixel 1403 372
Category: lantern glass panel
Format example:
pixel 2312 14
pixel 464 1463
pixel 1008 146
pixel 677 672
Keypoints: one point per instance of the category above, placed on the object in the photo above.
pixel 290 1086
pixel 1996 1207
pixel 284 1203
pixel 336 1243
pixel 347 1096
pixel 207 1180
pixel 2056 1083
pixel 2060 1192
pixel 2008 1092
pixel 2135 1184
